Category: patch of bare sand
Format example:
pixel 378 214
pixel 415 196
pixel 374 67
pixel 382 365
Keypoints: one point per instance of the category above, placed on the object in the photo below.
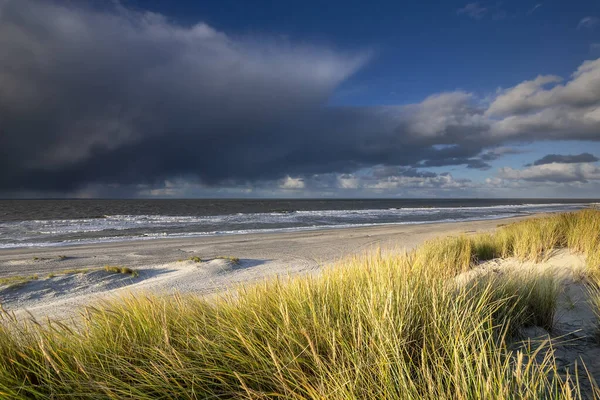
pixel 574 337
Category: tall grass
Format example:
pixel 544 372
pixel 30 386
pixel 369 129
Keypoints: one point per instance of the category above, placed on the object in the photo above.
pixel 371 327
pixel 529 240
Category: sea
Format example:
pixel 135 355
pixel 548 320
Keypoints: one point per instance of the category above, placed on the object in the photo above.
pixel 43 223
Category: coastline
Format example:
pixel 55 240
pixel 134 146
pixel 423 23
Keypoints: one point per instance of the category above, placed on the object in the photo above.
pixel 251 245
pixel 550 281
pixel 164 264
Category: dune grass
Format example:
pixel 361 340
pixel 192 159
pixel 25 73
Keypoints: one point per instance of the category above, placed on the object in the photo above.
pixel 594 298
pixel 19 280
pixel 121 270
pixel 15 281
pixel 197 259
pixel 234 260
pixel 376 326
pixel 529 240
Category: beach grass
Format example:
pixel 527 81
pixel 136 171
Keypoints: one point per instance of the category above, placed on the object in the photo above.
pixel 116 269
pixel 594 296
pixel 197 259
pixel 19 280
pixel 234 260
pixel 374 326
pixel 16 281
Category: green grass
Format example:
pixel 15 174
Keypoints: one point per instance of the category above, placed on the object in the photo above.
pixel 374 329
pixel 234 260
pixel 197 259
pixel 370 327
pixel 593 287
pixel 530 240
pixel 121 270
pixel 16 281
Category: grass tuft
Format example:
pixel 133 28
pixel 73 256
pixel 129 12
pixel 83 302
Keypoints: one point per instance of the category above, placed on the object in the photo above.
pixel 370 327
pixel 12 282
pixel 121 270
pixel 234 260
pixel 74 271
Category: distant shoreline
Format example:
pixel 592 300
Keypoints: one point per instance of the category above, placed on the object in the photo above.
pixel 65 224
pixel 135 241
pixel 142 239
pixel 262 256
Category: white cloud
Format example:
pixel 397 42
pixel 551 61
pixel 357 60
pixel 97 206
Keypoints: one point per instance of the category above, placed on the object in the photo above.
pixel 554 172
pixel 534 8
pixel 433 116
pixel 443 181
pixel 474 10
pixel 581 91
pixel 564 111
pixel 588 23
pixel 348 182
pixel 523 97
pixel 389 179
pixel 290 183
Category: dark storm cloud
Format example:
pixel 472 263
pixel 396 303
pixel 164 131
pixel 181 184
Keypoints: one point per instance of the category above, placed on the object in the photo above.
pixel 479 162
pixel 565 159
pixel 117 96
pixel 472 163
pixel 386 172
pixel 110 96
pixel 499 152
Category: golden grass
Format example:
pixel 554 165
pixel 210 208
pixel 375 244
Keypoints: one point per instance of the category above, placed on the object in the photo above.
pixel 370 327
pixel 196 259
pixel 234 260
pixel 15 281
pixel 19 280
pixel 121 270
pixel 530 240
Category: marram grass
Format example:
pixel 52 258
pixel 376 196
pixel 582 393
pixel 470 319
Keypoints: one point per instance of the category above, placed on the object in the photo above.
pixel 370 327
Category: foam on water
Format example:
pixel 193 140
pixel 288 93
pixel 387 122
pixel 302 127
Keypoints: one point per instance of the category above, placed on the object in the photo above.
pixel 115 228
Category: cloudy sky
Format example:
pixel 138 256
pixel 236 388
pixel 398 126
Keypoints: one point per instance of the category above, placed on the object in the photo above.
pixel 103 98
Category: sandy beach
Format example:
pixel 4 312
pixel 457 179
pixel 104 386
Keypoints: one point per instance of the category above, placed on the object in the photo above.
pixel 164 266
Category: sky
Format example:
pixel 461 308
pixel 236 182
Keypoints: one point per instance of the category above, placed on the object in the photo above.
pixel 344 99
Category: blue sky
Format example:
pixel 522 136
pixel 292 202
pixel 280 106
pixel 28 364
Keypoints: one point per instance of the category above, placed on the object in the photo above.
pixel 343 99
pixel 419 48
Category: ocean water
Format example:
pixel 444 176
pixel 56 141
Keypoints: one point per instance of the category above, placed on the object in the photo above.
pixel 41 223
